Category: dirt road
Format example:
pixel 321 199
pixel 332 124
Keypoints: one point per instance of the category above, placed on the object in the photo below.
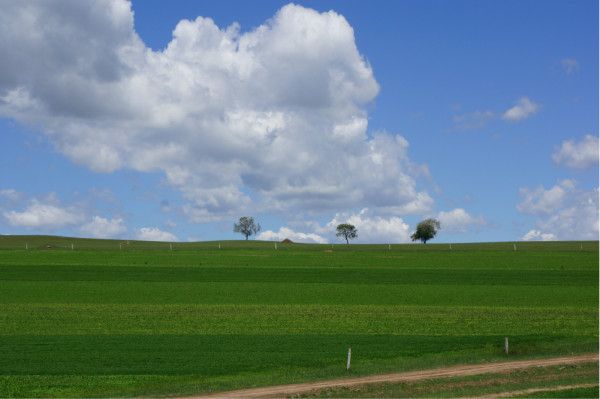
pixel 454 371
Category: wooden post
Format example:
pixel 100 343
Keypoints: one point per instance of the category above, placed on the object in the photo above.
pixel 26 246
pixel 450 246
pixel 275 245
pixel 514 247
pixel 348 361
pixel 219 245
pixel 171 246
pixel 506 345
pixel 120 246
pixel 389 247
pixel 72 247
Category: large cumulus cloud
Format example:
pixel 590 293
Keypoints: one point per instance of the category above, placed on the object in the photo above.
pixel 274 118
pixel 564 211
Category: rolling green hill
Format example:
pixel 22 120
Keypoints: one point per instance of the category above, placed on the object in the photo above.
pixel 83 317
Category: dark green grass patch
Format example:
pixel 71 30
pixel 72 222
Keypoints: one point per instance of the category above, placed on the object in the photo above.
pixel 132 292
pixel 290 275
pixel 213 355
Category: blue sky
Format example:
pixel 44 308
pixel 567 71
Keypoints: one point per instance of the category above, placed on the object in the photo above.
pixel 123 120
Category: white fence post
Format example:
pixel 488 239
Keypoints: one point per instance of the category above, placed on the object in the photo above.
pixel 506 345
pixel 348 361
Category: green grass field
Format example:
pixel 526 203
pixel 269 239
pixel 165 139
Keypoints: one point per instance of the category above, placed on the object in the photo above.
pixel 125 318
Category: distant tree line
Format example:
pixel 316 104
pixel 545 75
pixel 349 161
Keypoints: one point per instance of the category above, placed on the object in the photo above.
pixel 426 229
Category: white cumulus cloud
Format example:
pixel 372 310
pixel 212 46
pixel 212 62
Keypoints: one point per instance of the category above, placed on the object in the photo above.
pixel 536 235
pixel 458 220
pixel 154 234
pixel 522 110
pixel 564 212
pixel 44 215
pixel 285 232
pixel 578 155
pixel 100 227
pixel 542 201
pixel 274 118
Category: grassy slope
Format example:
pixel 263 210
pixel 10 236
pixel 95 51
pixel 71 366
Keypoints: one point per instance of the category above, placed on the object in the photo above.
pixel 98 321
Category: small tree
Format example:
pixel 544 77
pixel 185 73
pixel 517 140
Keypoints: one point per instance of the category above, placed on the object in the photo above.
pixel 426 230
pixel 347 231
pixel 246 226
